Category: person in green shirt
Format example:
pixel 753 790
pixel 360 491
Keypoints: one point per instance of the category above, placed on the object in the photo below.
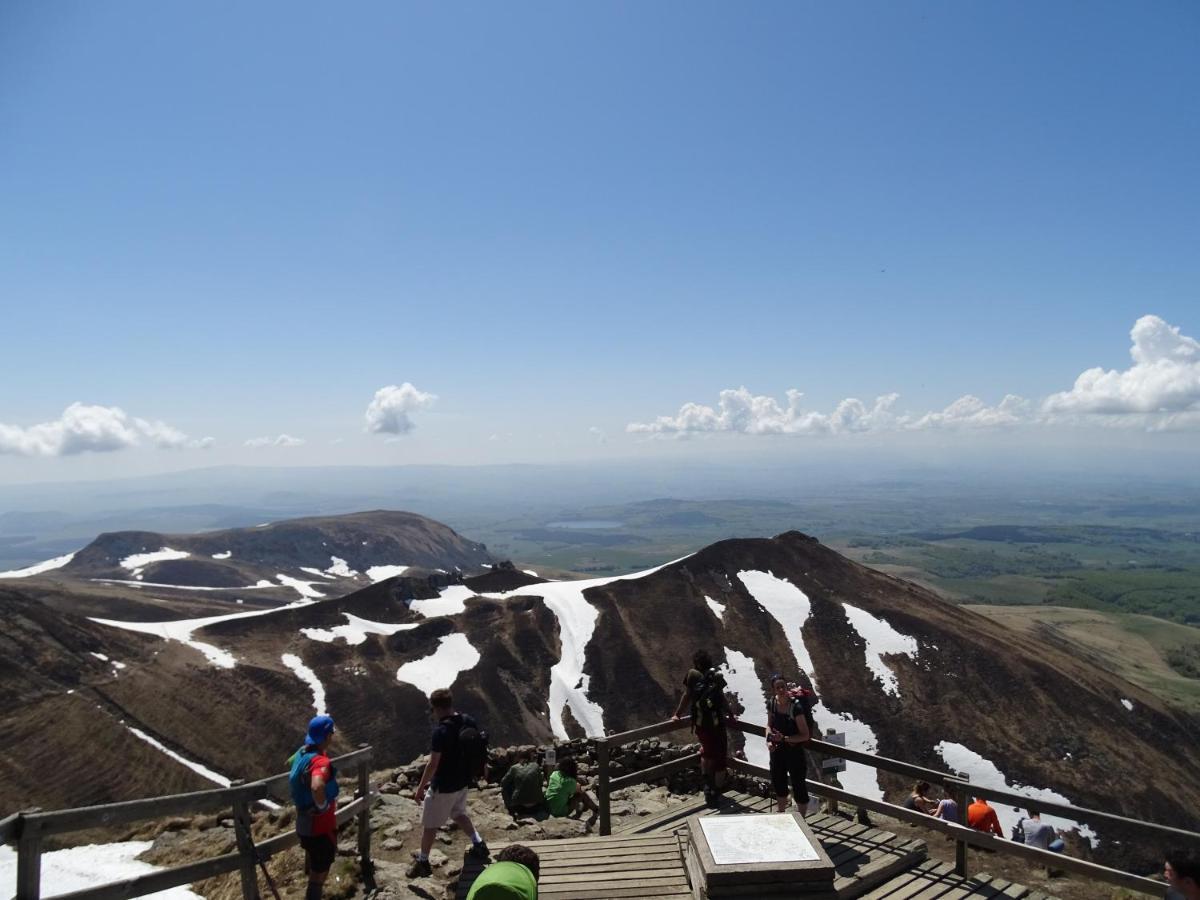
pixel 513 876
pixel 521 787
pixel 564 794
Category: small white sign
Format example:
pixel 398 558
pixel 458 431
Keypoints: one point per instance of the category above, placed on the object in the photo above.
pixel 551 757
pixel 833 764
pixel 756 839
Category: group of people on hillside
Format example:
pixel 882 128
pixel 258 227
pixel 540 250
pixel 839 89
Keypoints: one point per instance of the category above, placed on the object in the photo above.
pixel 458 750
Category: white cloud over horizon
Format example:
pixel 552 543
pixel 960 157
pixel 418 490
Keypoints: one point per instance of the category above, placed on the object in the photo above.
pixel 1160 391
pixel 282 440
pixel 388 411
pixel 84 428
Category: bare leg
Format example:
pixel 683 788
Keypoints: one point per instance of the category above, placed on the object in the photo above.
pixel 464 822
pixel 427 837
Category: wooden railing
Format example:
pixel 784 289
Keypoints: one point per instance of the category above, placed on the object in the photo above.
pixel 960 789
pixel 29 829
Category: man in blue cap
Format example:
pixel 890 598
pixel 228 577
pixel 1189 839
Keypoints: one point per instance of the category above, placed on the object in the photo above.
pixel 313 783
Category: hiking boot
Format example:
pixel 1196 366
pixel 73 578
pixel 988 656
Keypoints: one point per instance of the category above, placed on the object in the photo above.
pixel 712 799
pixel 479 851
pixel 420 869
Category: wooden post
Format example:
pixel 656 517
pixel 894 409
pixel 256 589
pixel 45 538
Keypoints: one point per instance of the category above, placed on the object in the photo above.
pixel 962 798
pixel 241 829
pixel 364 817
pixel 833 803
pixel 29 861
pixel 602 797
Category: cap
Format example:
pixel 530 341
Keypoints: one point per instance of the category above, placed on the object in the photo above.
pixel 319 729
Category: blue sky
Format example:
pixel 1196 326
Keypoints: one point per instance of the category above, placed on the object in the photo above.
pixel 245 220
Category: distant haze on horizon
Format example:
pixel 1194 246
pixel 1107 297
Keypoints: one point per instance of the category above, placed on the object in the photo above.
pixel 857 239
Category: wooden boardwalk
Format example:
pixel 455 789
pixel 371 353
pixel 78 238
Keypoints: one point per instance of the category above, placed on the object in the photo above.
pixel 646 859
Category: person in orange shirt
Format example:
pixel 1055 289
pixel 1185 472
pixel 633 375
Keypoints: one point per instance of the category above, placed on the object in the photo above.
pixel 983 818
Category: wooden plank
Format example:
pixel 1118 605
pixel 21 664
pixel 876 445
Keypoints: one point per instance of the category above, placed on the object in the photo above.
pixel 884 891
pixel 648 731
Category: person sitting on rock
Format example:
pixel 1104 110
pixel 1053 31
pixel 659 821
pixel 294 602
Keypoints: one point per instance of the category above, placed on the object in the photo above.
pixel 1182 871
pixel 565 795
pixel 521 786
pixel 1039 834
pixel 920 800
pixel 513 876
pixel 947 810
pixel 982 817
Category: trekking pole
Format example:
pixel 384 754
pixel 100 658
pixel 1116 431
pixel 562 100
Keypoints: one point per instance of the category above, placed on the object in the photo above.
pixel 262 864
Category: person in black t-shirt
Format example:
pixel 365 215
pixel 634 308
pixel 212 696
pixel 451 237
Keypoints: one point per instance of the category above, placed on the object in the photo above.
pixel 448 775
pixel 787 732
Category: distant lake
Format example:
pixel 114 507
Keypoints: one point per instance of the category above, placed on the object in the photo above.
pixel 585 523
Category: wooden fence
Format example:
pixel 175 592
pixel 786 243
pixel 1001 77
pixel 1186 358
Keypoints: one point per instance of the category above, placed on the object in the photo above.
pixel 956 787
pixel 29 829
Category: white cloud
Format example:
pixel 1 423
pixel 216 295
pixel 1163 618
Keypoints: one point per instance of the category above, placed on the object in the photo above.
pixel 598 434
pixel 969 411
pixel 96 429
pixel 283 440
pixel 388 411
pixel 1160 390
pixel 739 411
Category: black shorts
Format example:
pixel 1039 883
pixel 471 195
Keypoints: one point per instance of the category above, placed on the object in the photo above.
pixel 790 762
pixel 319 851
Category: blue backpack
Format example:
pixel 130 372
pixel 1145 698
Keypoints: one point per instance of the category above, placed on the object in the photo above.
pixel 300 780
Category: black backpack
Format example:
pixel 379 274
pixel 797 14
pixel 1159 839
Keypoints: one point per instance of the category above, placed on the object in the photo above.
pixel 708 700
pixel 473 749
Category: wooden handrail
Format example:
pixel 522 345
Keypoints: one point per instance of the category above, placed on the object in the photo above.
pixel 958 787
pixel 974 838
pixel 30 828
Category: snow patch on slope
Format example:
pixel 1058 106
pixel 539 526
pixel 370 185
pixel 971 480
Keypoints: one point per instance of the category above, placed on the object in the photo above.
pixel 79 868
pixel 576 624
pixel 355 630
pixel 225 555
pixel 450 601
pixel 202 771
pixel 742 681
pixel 790 607
pixel 380 573
pixel 303 588
pixel 138 561
pixel 309 677
pixel 454 654
pixel 718 609
pixel 881 639
pixel 340 568
pixel 38 568
pixel 986 773
pixel 1128 704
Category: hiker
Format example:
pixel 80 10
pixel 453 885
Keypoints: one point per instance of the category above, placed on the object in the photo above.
pixel 453 764
pixel 312 780
pixel 564 794
pixel 919 800
pixel 947 810
pixel 1038 834
pixel 787 731
pixel 982 817
pixel 513 876
pixel 1182 871
pixel 704 694
pixel 521 786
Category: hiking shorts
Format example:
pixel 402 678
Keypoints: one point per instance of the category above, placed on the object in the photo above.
pixel 713 745
pixel 440 808
pixel 319 851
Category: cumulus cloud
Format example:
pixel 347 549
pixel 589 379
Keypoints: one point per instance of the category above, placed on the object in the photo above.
pixel 969 411
pixel 388 411
pixel 738 411
pixel 92 429
pixel 283 440
pixel 1160 390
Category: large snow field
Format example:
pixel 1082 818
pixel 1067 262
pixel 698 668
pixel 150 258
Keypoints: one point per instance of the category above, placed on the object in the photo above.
pixel 454 654
pixel 355 630
pixel 38 568
pixel 742 681
pixel 983 771
pixel 309 677
pixel 576 624
pixel 881 639
pixel 77 868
